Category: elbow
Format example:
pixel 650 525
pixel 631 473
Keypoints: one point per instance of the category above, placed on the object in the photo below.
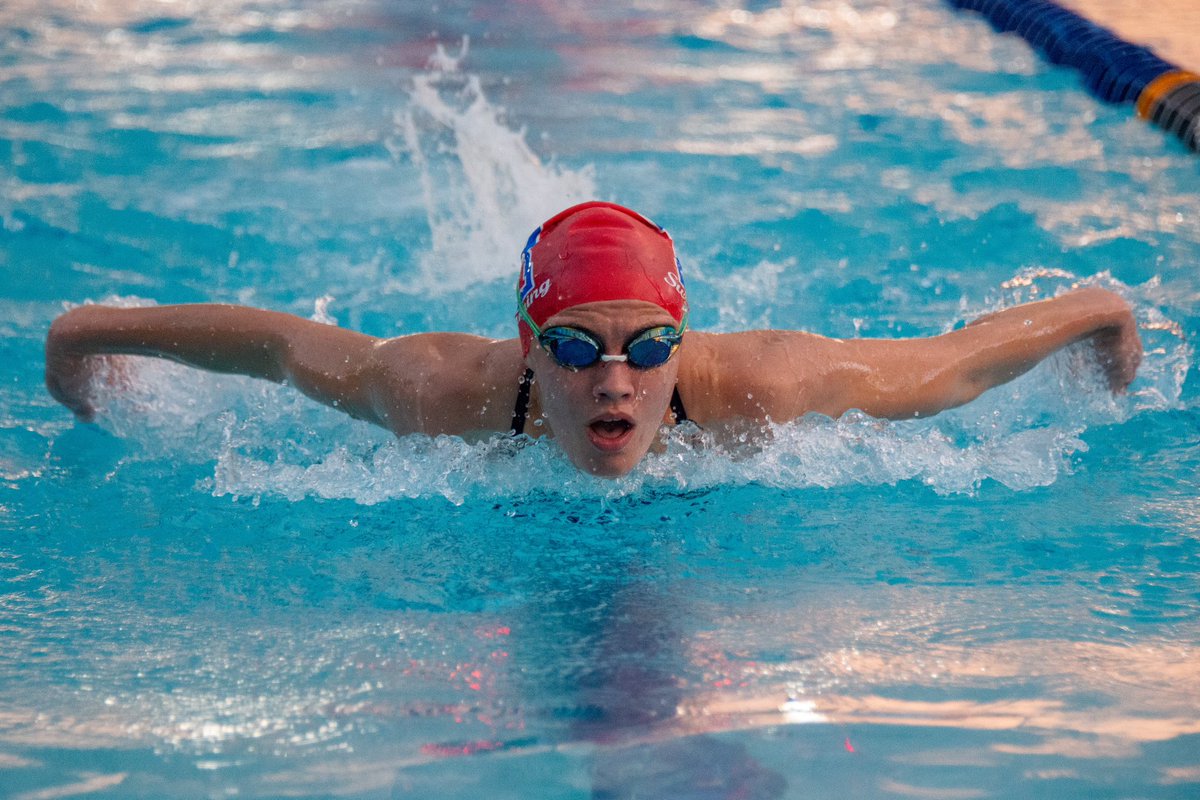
pixel 947 391
pixel 927 397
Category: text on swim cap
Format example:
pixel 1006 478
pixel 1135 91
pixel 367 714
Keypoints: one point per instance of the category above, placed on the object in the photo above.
pixel 534 294
pixel 672 280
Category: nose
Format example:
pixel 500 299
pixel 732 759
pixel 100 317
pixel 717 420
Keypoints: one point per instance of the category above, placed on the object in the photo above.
pixel 614 382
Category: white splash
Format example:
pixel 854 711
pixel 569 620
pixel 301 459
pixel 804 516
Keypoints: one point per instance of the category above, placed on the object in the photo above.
pixel 321 310
pixel 485 190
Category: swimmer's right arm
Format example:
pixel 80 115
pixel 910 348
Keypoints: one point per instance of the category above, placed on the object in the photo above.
pixel 390 382
pixel 320 360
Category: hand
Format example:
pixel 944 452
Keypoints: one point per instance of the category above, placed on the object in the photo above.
pixel 1118 346
pixel 72 374
pixel 69 379
pixel 73 380
pixel 1113 334
pixel 1119 351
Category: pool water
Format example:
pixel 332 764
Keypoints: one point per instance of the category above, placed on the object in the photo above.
pixel 223 589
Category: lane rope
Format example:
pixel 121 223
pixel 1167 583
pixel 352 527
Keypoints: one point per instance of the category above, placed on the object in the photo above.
pixel 1113 70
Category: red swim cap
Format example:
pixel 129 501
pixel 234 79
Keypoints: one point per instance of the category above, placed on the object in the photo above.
pixel 597 251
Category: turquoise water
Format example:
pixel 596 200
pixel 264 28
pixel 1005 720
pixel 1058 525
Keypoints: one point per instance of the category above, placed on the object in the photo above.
pixel 223 589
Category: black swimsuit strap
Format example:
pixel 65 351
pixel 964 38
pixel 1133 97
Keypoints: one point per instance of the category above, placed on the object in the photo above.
pixel 521 409
pixel 677 407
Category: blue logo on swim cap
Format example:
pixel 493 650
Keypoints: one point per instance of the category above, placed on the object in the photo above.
pixel 526 284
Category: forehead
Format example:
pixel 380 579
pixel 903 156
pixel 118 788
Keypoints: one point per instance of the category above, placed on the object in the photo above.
pixel 613 315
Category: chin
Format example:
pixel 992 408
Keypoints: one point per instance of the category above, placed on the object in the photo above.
pixel 608 466
pixel 608 470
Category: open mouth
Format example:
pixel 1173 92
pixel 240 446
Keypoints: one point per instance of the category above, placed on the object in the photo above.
pixel 610 434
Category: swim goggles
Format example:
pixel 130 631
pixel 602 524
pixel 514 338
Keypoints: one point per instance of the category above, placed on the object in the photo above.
pixel 576 349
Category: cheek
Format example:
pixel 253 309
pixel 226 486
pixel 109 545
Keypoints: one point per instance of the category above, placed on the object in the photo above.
pixel 563 395
pixel 659 384
pixel 654 397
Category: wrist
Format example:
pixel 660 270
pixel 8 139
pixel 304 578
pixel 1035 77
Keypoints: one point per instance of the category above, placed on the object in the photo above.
pixel 72 331
pixel 1104 307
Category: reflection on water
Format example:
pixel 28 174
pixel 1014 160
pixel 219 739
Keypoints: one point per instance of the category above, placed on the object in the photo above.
pixel 620 671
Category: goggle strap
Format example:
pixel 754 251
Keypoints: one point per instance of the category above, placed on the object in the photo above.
pixel 524 315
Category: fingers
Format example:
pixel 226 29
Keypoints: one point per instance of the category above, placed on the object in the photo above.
pixel 1119 351
pixel 68 379
pixel 72 397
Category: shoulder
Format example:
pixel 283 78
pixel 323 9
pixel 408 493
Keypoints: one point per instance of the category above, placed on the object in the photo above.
pixel 433 352
pixel 756 375
pixel 450 383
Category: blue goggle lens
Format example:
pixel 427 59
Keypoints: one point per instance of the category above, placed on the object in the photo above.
pixel 574 353
pixel 576 349
pixel 652 352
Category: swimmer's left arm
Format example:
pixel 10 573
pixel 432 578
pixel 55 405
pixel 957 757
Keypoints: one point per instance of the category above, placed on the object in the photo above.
pixel 920 377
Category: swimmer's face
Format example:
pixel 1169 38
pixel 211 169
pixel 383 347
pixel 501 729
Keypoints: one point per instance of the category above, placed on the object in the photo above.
pixel 606 416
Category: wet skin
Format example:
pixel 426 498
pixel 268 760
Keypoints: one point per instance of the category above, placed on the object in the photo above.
pixel 606 416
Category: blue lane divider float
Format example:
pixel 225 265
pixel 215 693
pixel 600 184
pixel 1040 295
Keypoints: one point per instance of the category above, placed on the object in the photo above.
pixel 1112 69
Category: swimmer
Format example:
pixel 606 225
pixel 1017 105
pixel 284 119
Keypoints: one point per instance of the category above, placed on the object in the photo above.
pixel 604 358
